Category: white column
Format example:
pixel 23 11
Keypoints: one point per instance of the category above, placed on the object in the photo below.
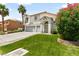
pixel 49 26
pixel 41 28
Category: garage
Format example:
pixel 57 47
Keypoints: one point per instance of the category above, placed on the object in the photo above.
pixel 30 29
pixel 33 29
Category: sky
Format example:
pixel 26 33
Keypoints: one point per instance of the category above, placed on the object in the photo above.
pixel 32 9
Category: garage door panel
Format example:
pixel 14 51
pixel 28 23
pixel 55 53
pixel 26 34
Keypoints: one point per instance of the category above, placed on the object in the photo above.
pixel 29 29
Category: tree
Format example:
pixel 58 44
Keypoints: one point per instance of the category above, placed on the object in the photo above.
pixel 3 12
pixel 22 10
pixel 68 22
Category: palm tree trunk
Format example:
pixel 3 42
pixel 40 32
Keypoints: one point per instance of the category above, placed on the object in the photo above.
pixel 3 23
pixel 23 22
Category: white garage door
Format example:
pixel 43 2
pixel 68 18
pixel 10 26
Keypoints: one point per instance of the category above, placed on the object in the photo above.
pixel 29 28
pixel 38 29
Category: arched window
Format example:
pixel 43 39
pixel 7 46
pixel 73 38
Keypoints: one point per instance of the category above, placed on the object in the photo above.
pixel 52 20
pixel 46 22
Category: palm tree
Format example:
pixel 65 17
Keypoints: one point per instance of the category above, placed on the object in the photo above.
pixel 3 12
pixel 22 10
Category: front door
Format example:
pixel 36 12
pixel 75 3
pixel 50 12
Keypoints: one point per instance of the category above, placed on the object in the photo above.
pixel 46 27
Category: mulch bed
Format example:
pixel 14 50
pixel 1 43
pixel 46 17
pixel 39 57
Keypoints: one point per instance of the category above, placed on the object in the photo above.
pixel 66 42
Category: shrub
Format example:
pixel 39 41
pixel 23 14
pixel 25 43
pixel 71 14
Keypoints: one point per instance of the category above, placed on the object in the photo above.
pixel 68 22
pixel 54 32
pixel 2 33
pixel 15 31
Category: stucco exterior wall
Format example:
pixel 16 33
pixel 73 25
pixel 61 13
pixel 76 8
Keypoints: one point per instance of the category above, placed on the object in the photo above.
pixel 39 16
pixel 31 26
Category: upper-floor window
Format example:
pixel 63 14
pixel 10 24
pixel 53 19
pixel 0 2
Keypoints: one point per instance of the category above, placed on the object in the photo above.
pixel 7 22
pixel 26 21
pixel 52 19
pixel 35 18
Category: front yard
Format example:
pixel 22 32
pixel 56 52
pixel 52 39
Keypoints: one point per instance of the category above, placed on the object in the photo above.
pixel 42 45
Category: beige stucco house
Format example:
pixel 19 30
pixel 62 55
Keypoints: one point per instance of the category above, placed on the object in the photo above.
pixel 41 22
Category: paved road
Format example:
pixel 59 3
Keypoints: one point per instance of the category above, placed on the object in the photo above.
pixel 10 38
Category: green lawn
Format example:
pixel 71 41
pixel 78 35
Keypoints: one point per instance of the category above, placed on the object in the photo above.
pixel 42 45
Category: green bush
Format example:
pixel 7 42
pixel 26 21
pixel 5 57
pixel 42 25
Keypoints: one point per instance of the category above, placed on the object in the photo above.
pixel 54 32
pixel 68 22
pixel 14 31
pixel 2 33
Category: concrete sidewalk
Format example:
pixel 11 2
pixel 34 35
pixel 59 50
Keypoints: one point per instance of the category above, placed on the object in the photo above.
pixel 11 38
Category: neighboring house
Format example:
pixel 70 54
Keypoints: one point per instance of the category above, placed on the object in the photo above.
pixel 11 25
pixel 5 26
pixel 43 22
pixel 0 26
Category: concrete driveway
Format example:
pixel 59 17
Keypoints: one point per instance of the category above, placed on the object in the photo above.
pixel 11 38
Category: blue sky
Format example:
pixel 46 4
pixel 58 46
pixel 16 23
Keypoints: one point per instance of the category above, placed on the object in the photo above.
pixel 32 8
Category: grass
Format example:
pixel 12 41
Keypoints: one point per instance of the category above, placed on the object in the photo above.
pixel 42 45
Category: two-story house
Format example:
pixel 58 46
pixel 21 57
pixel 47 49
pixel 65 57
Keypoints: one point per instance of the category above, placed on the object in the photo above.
pixel 41 22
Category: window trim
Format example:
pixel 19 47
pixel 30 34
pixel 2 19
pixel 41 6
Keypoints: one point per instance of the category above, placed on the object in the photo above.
pixel 26 20
pixel 35 17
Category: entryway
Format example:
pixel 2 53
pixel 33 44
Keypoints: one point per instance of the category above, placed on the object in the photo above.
pixel 46 27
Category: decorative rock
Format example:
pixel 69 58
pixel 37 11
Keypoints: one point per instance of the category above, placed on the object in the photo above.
pixel 65 42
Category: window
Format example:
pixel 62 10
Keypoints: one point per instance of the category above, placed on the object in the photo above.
pixel 52 19
pixel 35 17
pixel 26 21
pixel 20 23
pixel 7 22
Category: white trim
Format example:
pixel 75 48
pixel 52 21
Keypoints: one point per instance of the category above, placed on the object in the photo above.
pixel 49 26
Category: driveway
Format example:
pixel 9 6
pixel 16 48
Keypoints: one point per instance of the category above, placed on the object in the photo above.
pixel 11 38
